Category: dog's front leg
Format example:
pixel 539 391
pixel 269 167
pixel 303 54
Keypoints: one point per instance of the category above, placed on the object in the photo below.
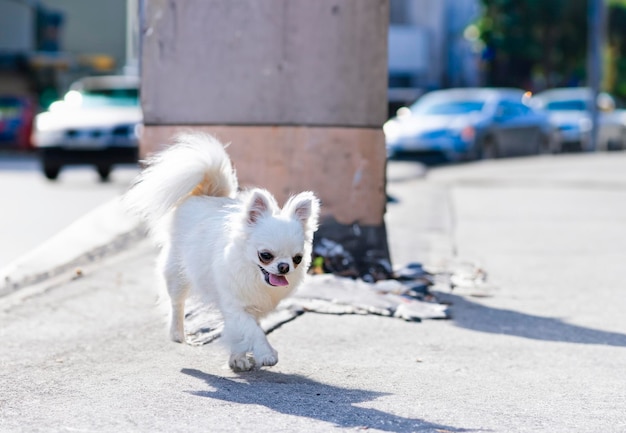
pixel 244 336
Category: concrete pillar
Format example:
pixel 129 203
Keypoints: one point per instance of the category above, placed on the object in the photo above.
pixel 298 87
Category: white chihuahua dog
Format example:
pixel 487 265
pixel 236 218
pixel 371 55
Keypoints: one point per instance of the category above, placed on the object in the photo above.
pixel 239 249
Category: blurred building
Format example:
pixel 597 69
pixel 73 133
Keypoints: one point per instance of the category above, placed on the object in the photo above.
pixel 430 47
pixel 46 44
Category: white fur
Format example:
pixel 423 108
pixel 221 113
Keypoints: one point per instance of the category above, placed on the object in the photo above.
pixel 211 236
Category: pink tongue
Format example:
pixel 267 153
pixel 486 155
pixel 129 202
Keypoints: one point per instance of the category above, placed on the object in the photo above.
pixel 278 280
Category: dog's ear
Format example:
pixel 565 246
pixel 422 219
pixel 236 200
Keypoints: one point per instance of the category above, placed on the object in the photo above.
pixel 305 208
pixel 260 203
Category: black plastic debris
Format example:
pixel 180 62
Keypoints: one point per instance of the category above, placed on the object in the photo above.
pixel 330 257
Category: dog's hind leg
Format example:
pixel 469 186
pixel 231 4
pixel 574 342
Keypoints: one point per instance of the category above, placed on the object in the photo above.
pixel 177 289
pixel 178 294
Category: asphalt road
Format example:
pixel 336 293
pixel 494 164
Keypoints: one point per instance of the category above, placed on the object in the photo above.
pixel 34 209
pixel 543 349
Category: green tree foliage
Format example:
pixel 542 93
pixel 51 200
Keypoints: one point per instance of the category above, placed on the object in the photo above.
pixel 534 43
pixel 617 43
pixel 543 43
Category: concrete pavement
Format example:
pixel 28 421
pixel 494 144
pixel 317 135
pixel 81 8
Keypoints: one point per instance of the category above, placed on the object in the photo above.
pixel 35 209
pixel 544 352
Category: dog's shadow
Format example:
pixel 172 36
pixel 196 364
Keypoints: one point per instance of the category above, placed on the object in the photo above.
pixel 481 318
pixel 297 395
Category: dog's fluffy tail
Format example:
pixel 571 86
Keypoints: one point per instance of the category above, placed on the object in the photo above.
pixel 196 164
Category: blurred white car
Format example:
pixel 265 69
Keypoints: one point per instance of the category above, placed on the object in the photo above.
pixel 97 123
pixel 569 112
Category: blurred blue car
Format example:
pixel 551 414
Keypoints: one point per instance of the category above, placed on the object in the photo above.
pixel 470 123
pixel 569 111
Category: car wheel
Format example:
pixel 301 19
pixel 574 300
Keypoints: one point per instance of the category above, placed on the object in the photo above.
pixel 490 148
pixel 547 146
pixel 51 171
pixel 104 171
pixel 474 153
pixel 620 144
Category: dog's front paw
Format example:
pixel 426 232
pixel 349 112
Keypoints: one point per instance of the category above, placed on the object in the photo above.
pixel 177 331
pixel 267 358
pixel 241 362
pixel 177 335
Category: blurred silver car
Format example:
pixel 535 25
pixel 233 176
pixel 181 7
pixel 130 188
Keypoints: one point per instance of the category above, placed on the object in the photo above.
pixel 97 123
pixel 470 123
pixel 569 112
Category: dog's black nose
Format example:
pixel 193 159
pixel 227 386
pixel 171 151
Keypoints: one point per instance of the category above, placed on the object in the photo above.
pixel 283 267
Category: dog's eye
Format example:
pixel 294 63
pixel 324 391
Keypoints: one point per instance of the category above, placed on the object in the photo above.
pixel 266 257
pixel 297 259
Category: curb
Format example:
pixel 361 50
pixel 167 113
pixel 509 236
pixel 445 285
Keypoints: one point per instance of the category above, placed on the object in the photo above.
pixel 102 232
